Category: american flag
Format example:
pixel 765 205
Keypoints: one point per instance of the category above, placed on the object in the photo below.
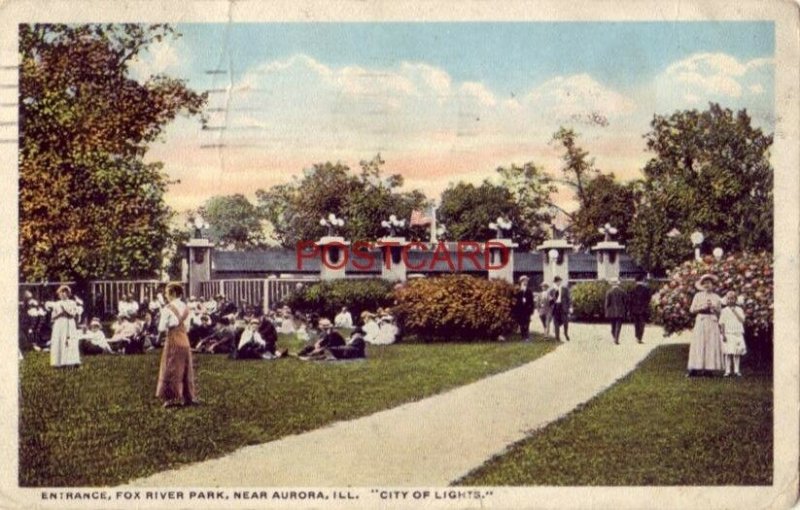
pixel 419 218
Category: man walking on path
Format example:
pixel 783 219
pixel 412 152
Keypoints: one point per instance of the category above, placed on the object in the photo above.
pixel 523 308
pixel 561 306
pixel 639 306
pixel 615 308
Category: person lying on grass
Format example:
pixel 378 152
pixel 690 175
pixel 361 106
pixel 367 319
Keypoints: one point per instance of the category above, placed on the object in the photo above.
pixel 354 349
pixel 328 337
pixel 94 341
pixel 222 340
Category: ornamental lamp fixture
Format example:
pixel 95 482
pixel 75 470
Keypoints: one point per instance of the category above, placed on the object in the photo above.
pixel 718 253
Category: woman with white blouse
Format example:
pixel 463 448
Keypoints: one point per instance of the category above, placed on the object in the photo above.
pixel 176 375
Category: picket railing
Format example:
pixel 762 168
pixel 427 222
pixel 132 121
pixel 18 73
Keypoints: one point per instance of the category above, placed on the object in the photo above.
pixel 105 294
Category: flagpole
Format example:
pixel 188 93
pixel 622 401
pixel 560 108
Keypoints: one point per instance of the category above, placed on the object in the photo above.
pixel 434 239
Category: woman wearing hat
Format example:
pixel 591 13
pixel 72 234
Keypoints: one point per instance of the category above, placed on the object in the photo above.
pixel 705 351
pixel 370 327
pixel 64 342
pixel 176 374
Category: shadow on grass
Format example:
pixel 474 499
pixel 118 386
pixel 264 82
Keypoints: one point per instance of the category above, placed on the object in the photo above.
pixel 102 425
pixel 654 427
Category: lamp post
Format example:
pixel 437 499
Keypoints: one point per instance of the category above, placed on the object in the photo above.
pixel 697 239
pixel 392 224
pixel 553 254
pixel 198 225
pixel 718 253
pixel 607 230
pixel 331 221
pixel 500 226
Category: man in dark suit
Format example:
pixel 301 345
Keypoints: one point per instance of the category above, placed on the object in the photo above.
pixel 523 308
pixel 615 308
pixel 639 306
pixel 328 337
pixel 561 305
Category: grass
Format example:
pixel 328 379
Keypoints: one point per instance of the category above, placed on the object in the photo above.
pixel 102 425
pixel 655 427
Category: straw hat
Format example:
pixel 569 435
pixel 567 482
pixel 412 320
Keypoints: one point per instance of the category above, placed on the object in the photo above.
pixel 708 276
pixel 64 288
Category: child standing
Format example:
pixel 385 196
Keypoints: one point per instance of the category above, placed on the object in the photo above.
pixel 731 323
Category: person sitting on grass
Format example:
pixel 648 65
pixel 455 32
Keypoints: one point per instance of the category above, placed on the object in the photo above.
pixel 251 345
pixel 387 331
pixel 301 330
pixel 222 340
pixel 328 338
pixel 370 327
pixel 203 330
pixel 343 319
pixel 268 333
pixel 94 341
pixel 125 332
pixel 287 321
pixel 355 348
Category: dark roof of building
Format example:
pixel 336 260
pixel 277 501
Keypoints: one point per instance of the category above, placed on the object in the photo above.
pixel 283 260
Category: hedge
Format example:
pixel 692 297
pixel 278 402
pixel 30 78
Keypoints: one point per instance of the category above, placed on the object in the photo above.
pixel 589 298
pixel 326 299
pixel 455 307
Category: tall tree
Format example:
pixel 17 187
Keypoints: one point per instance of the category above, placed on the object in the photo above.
pixel 89 205
pixel 467 210
pixel 710 172
pixel 233 222
pixel 531 189
pixel 363 200
pixel 601 199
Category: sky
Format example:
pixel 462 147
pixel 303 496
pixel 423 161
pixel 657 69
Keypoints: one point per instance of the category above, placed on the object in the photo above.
pixel 441 102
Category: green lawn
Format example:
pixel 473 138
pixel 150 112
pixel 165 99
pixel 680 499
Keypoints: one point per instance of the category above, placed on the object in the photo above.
pixel 655 427
pixel 102 425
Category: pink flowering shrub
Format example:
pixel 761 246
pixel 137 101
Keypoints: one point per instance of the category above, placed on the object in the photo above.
pixel 748 274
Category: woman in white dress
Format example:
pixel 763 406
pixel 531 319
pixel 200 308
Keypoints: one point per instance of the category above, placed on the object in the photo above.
pixel 731 324
pixel 705 351
pixel 370 327
pixel 387 331
pixel 64 339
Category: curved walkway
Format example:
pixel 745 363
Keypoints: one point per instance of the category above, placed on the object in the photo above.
pixel 437 440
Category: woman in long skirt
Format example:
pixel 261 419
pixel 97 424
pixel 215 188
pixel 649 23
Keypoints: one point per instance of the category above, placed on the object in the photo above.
pixel 64 349
pixel 705 351
pixel 176 374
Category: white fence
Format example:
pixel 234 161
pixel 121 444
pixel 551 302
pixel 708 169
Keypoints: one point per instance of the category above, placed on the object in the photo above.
pixel 261 292
pixel 105 294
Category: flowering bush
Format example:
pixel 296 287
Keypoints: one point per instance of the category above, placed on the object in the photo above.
pixel 457 307
pixel 748 274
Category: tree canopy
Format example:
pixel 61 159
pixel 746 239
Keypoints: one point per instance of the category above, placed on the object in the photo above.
pixel 89 205
pixel 710 172
pixel 233 222
pixel 363 200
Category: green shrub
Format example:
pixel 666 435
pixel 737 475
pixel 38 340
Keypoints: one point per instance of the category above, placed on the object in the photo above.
pixel 455 307
pixel 589 298
pixel 327 298
pixel 747 274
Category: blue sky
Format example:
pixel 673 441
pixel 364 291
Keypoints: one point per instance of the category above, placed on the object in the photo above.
pixel 443 102
pixel 503 55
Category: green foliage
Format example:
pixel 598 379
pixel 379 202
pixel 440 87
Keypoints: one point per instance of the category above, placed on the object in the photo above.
pixel 710 172
pixel 530 187
pixel 466 210
pixel 654 427
pixel 327 298
pixel 455 307
pixel 600 197
pixel 589 298
pixel 101 425
pixel 748 274
pixel 234 222
pixel 362 200
pixel 89 205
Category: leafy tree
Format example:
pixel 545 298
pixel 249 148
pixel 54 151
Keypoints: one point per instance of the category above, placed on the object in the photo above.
pixel 711 172
pixel 233 222
pixel 363 200
pixel 600 197
pixel 89 205
pixel 467 210
pixel 606 201
pixel 531 189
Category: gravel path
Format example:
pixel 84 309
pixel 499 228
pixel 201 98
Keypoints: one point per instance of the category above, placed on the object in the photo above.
pixel 437 440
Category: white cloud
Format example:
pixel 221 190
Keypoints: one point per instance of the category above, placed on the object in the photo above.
pixel 716 75
pixel 162 57
pixel 568 97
